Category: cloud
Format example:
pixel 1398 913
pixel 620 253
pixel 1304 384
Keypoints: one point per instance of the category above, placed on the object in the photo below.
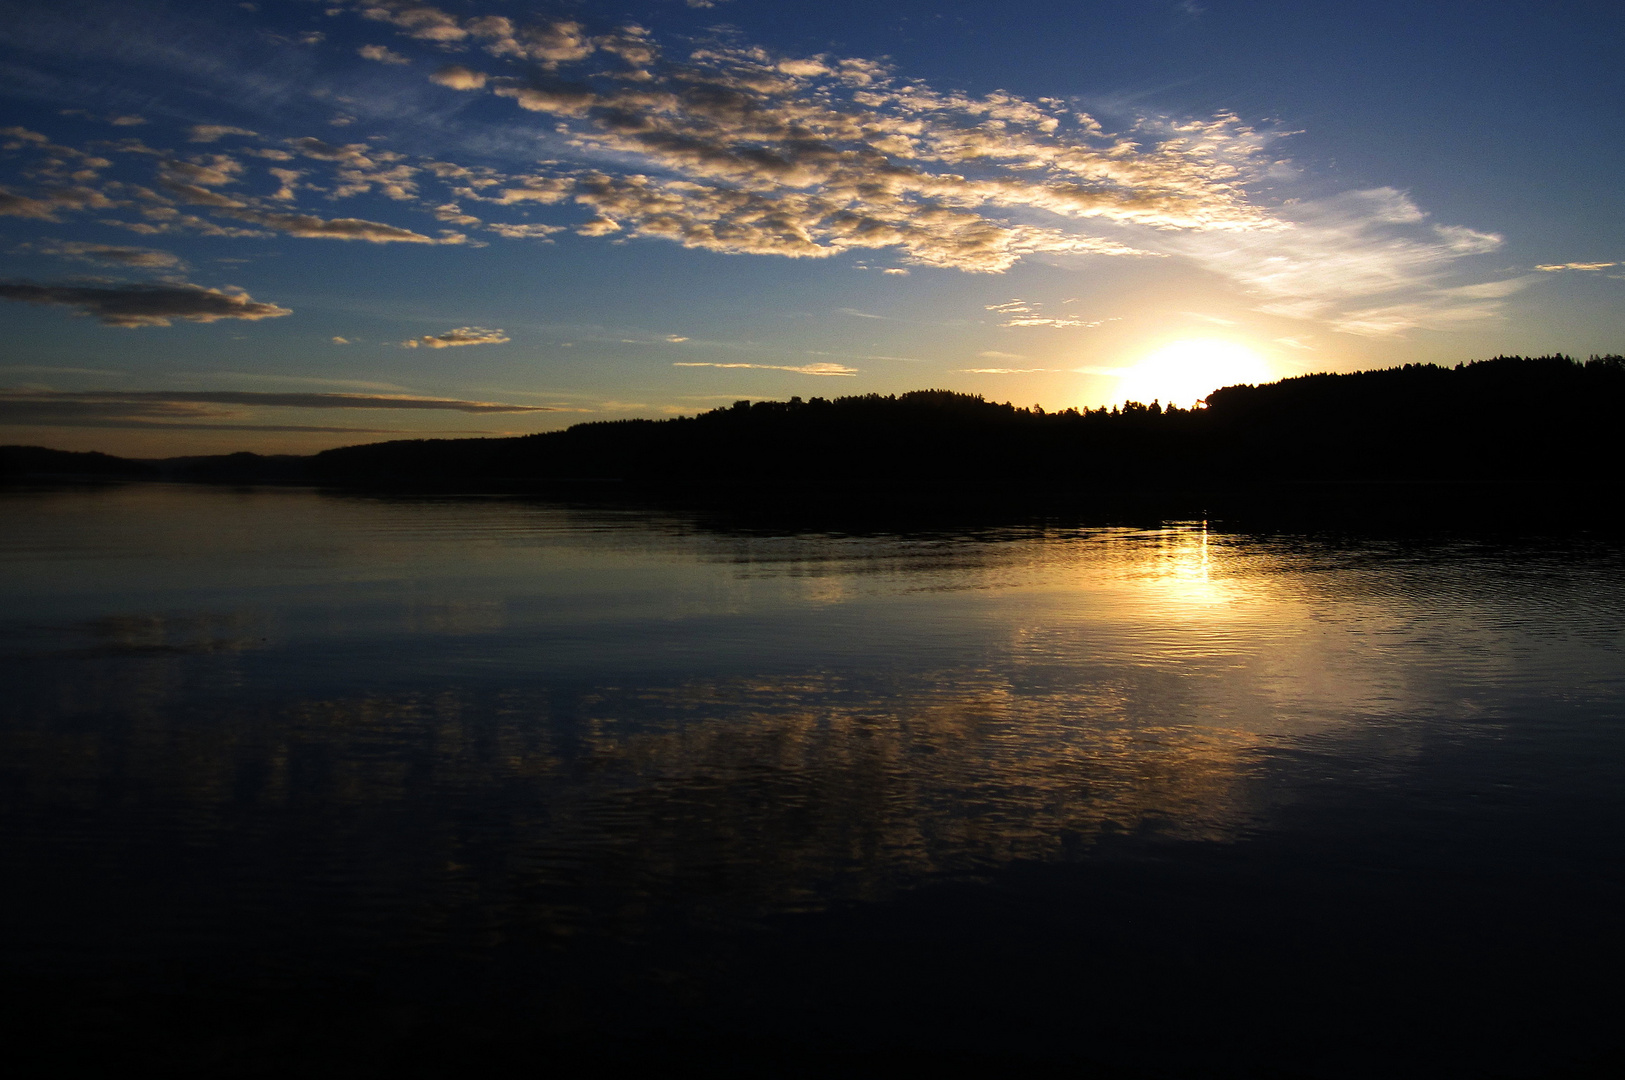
pixel 46 203
pixel 23 206
pixel 1328 259
pixel 804 369
pixel 354 153
pixel 524 232
pixel 992 354
pixel 463 335
pixel 207 133
pixel 458 77
pixel 142 258
pixel 211 408
pixel 302 400
pixel 150 415
pixel 1026 313
pixel 727 147
pixel 311 226
pixel 382 54
pixel 1432 309
pixel 734 149
pixel 1551 268
pixel 417 20
pixel 133 305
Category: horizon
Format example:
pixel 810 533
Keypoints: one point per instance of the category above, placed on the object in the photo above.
pixel 284 227
pixel 1531 366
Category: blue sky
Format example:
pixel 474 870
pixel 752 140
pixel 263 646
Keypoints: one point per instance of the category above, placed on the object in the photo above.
pixel 287 225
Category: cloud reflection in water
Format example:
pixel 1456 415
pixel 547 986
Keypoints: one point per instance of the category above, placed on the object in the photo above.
pixel 446 715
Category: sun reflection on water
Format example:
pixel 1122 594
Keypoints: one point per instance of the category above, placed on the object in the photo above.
pixel 563 706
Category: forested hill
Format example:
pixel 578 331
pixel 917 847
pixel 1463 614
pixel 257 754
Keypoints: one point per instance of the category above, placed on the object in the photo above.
pixel 1507 419
pixel 1510 418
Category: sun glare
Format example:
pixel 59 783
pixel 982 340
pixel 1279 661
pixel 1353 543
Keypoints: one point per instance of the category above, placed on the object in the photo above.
pixel 1185 372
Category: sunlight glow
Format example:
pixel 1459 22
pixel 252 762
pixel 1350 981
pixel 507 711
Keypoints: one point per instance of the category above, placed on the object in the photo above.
pixel 1184 372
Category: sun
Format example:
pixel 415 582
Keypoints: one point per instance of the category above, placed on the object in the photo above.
pixel 1184 372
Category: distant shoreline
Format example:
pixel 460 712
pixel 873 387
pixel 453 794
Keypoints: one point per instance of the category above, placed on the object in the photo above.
pixel 1513 434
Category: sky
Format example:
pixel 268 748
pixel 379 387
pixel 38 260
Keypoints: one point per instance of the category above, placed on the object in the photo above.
pixel 293 224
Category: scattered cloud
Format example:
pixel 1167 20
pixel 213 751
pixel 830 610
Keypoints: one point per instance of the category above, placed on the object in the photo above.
pixel 866 356
pixel 51 199
pixel 458 77
pixel 212 409
pixel 1552 268
pixel 151 415
pixel 727 147
pixel 992 354
pixel 733 149
pixel 135 305
pixel 803 369
pixel 463 335
pixel 141 258
pixel 1027 313
pixel 382 54
pixel 208 133
pixel 310 226
pixel 24 206
pixel 48 369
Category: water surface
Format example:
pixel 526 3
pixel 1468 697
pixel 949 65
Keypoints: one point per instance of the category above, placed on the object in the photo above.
pixel 627 775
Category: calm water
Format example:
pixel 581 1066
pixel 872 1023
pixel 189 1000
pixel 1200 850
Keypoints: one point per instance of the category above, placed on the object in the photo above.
pixel 1170 798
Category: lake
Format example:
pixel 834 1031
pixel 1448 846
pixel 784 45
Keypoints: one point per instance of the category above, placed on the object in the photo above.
pixel 298 779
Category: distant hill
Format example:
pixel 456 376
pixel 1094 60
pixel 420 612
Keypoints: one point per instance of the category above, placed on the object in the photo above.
pixel 37 461
pixel 1510 419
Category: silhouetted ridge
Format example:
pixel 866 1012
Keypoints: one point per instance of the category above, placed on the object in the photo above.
pixel 921 436
pixel 1509 418
pixel 1545 419
pixel 18 461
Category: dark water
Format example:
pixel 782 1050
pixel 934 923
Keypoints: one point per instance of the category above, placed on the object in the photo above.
pixel 298 781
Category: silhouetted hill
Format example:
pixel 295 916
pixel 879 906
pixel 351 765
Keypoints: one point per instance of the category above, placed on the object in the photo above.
pixel 16 461
pixel 1511 419
pixel 1505 419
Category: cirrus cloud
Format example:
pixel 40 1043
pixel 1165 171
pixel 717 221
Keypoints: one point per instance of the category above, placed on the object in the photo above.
pixel 801 369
